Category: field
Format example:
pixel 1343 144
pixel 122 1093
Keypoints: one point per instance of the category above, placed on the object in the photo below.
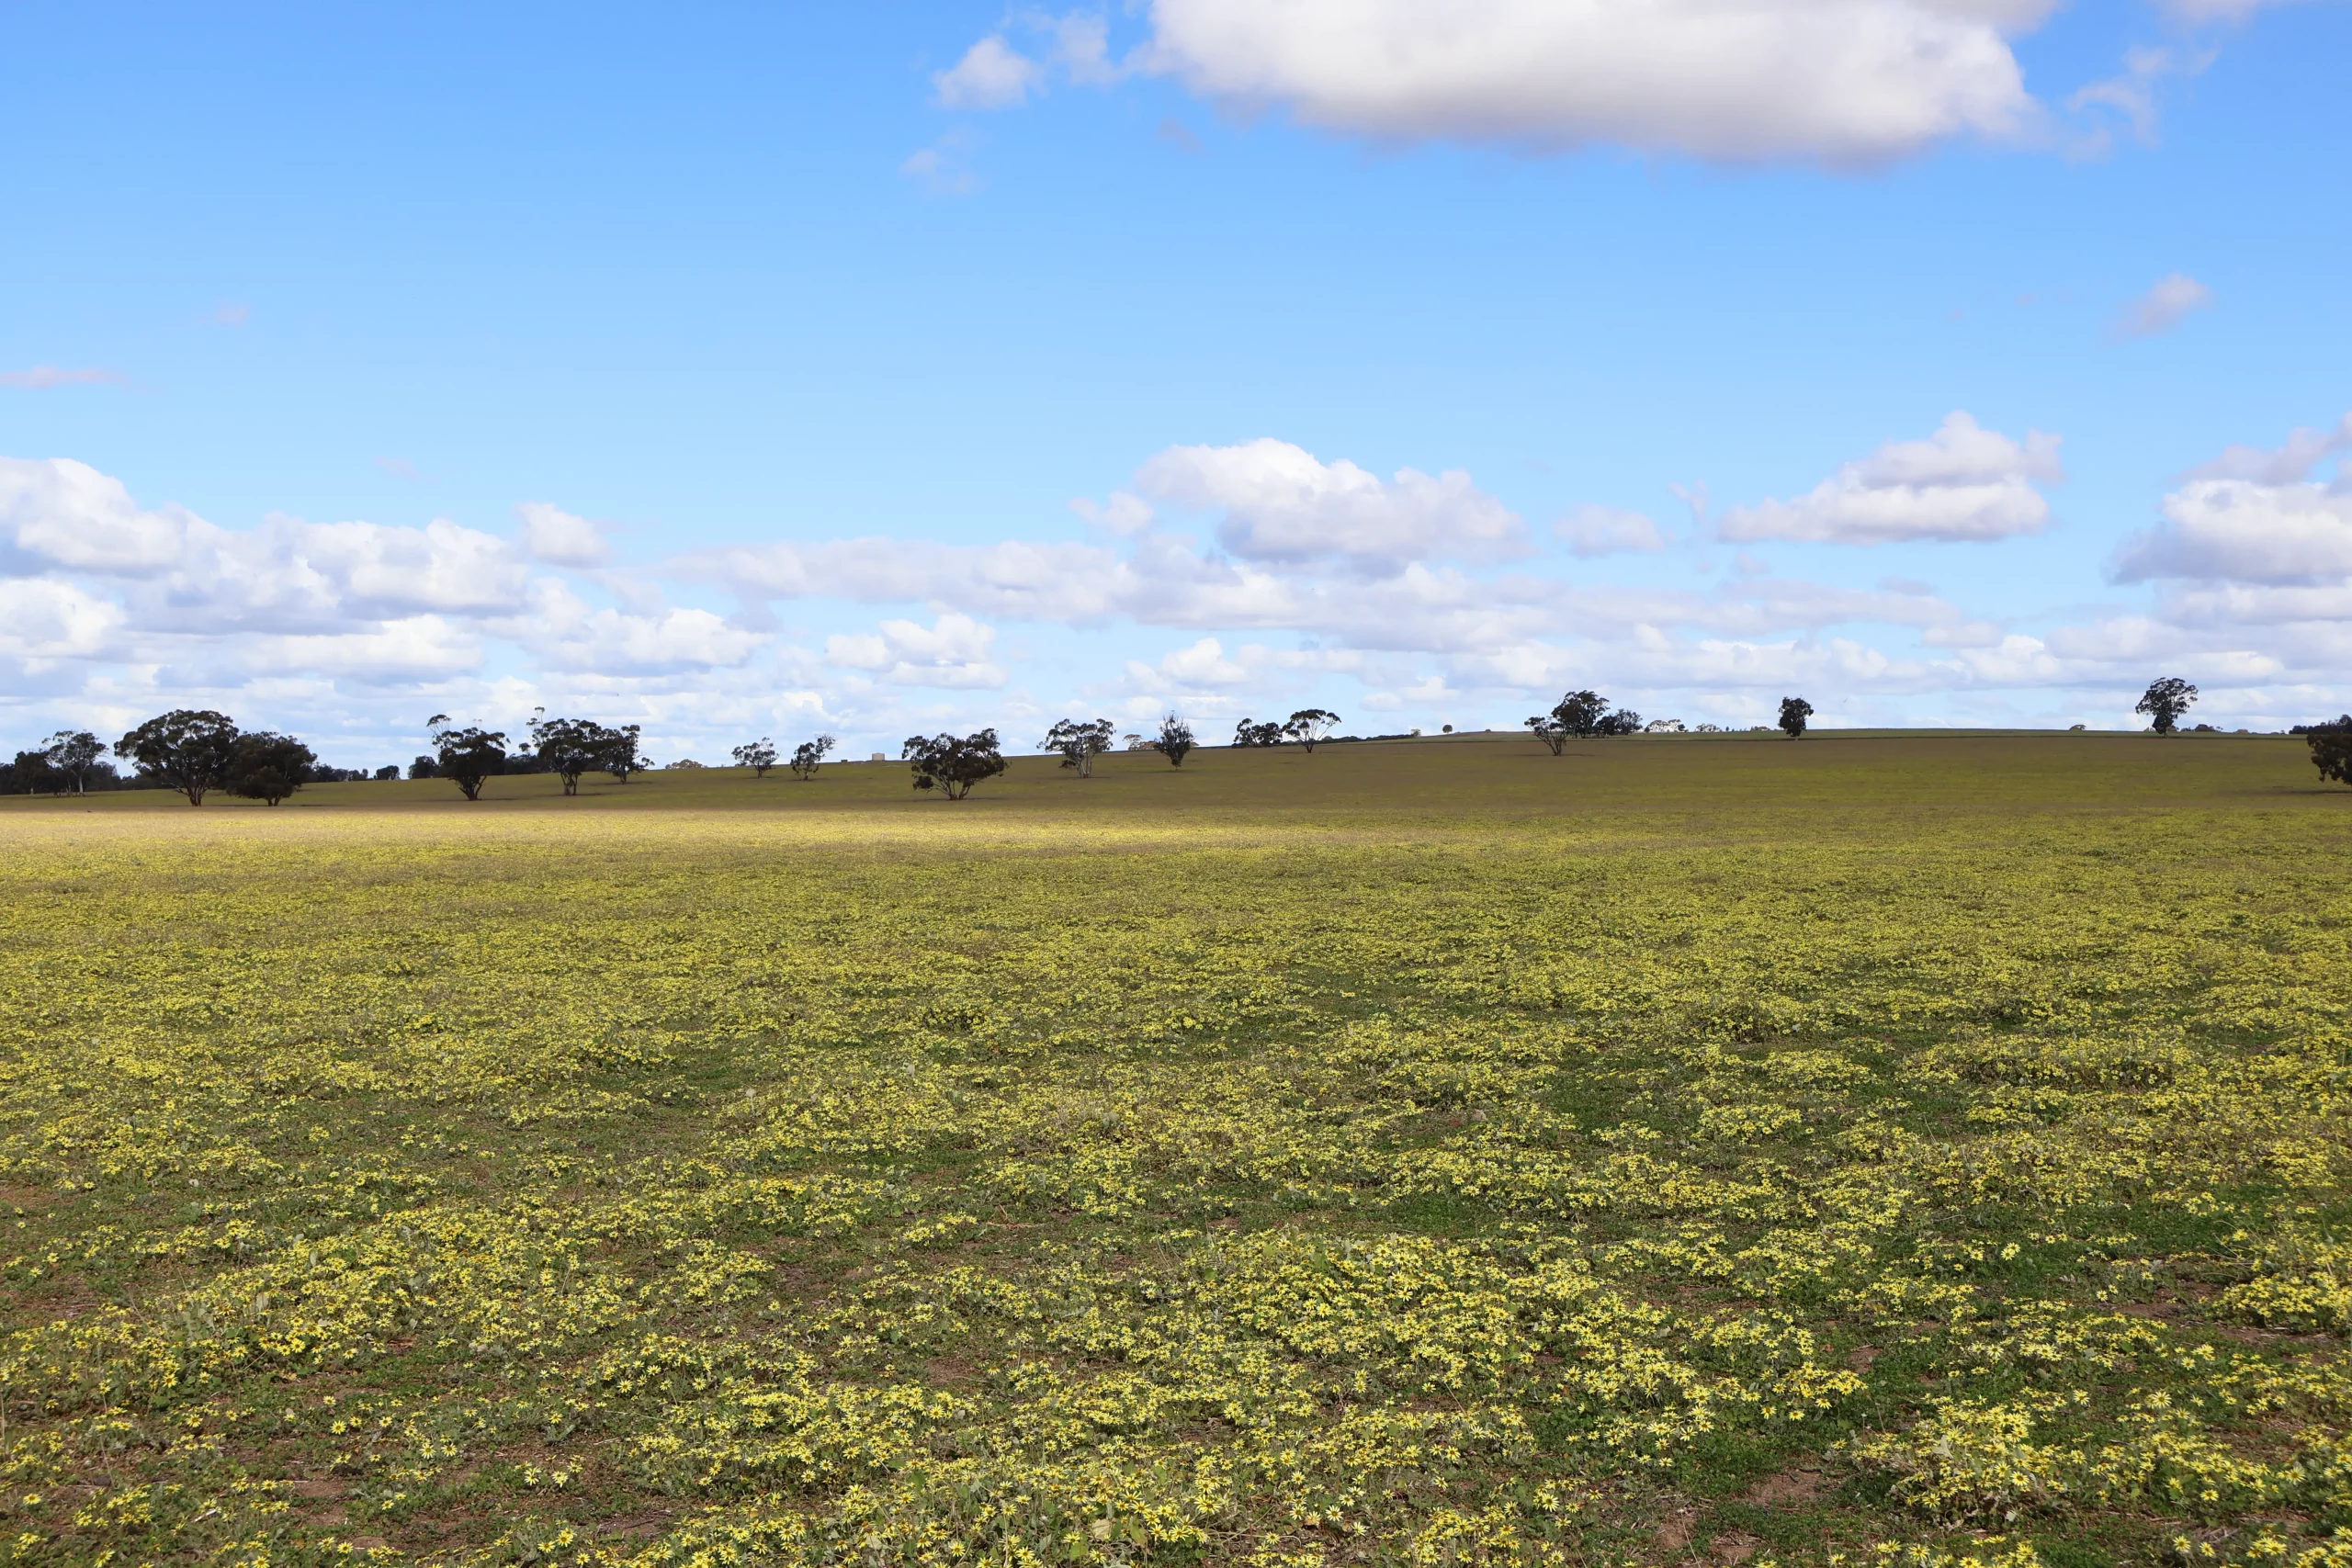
pixel 1899 1151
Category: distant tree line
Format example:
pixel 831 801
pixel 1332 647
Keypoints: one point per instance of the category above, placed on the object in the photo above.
pixel 197 752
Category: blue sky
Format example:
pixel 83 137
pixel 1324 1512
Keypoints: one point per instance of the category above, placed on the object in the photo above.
pixel 733 370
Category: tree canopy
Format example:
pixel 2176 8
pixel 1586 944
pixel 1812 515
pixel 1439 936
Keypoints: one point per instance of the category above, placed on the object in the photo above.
pixel 1581 715
pixel 2331 747
pixel 2164 700
pixel 571 747
pixel 1795 711
pixel 269 767
pixel 1249 733
pixel 952 764
pixel 75 754
pixel 621 756
pixel 809 756
pixel 467 756
pixel 1080 741
pixel 1310 725
pixel 757 755
pixel 187 749
pixel 1175 740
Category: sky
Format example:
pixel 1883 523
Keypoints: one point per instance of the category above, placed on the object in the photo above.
pixel 770 370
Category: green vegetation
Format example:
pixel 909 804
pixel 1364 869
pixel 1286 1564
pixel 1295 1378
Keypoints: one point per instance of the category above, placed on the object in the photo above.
pixel 1906 1150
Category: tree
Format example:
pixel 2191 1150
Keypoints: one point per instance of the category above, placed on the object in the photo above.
pixel 1248 734
pixel 758 756
pixel 1624 721
pixel 1581 713
pixel 187 749
pixel 1175 741
pixel 1309 726
pixel 467 757
pixel 1549 728
pixel 1080 741
pixel 33 773
pixel 390 770
pixel 268 767
pixel 425 768
pixel 951 764
pixel 569 747
pixel 2164 700
pixel 2331 747
pixel 808 755
pixel 1795 711
pixel 73 753
pixel 621 756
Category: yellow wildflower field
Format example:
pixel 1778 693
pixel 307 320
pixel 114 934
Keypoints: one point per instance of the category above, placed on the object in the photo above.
pixel 1877 1150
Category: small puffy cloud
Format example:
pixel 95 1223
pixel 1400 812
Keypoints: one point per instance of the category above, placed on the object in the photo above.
pixel 1602 530
pixel 2239 531
pixel 943 168
pixel 1202 663
pixel 2305 446
pixel 2162 307
pixel 1283 503
pixel 41 378
pixel 1964 483
pixel 67 514
pixel 991 75
pixel 1121 515
pixel 561 539
pixel 952 652
pixel 2132 94
pixel 1838 81
pixel 2251 516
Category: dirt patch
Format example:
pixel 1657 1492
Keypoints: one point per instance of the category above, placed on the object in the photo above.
pixel 1734 1548
pixel 1790 1489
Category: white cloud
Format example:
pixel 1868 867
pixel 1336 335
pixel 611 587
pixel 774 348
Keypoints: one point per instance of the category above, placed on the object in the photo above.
pixel 415 648
pixel 2241 530
pixel 952 652
pixel 68 515
pixel 1281 503
pixel 570 634
pixel 943 167
pixel 1963 483
pixel 1202 664
pixel 1082 48
pixel 2163 307
pixel 1841 80
pixel 1599 530
pixel 2196 11
pixel 45 619
pixel 41 378
pixel 991 75
pixel 1121 515
pixel 2251 519
pixel 559 537
pixel 2305 446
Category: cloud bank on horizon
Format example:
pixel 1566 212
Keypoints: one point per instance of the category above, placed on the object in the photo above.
pixel 1423 592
